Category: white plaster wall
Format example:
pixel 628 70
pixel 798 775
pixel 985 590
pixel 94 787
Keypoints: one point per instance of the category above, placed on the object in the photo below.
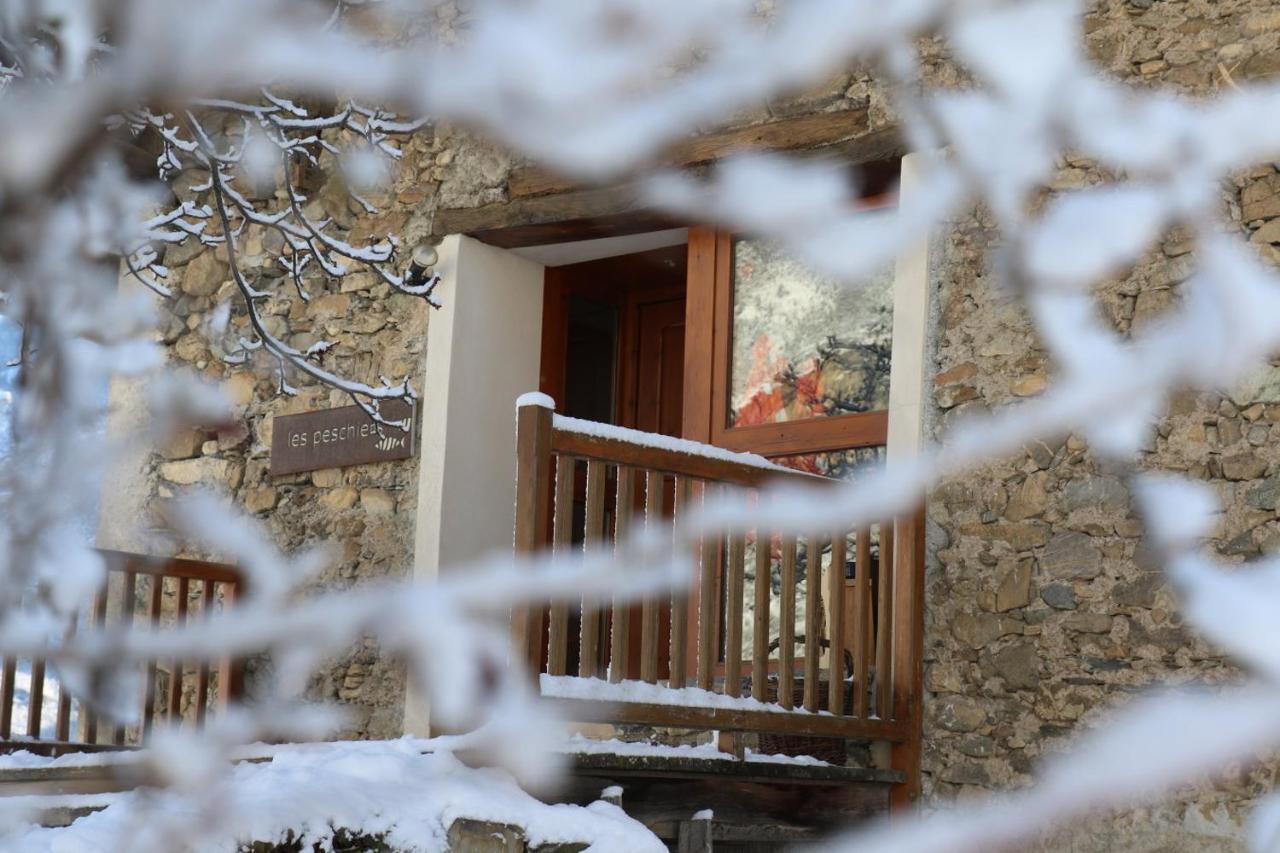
pixel 124 496
pixel 907 370
pixel 483 351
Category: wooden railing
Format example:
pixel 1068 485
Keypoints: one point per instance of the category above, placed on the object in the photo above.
pixel 137 588
pixel 833 618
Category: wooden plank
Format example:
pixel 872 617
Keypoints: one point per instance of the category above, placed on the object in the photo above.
pixel 589 656
pixel 760 623
pixel 230 670
pixel 533 472
pixel 731 720
pixel 884 623
pixel 812 435
pixel 653 482
pixel 787 625
pixel 708 571
pixel 699 341
pixel 733 616
pixel 861 621
pixel 149 689
pixel 98 617
pixel 679 645
pixel 128 604
pixel 694 836
pixel 668 461
pixel 35 703
pixel 175 678
pixel 835 624
pixel 561 542
pixel 584 214
pixel 62 723
pixel 812 620
pixel 908 653
pixel 202 671
pixel 10 675
pixel 620 623
pixel 806 131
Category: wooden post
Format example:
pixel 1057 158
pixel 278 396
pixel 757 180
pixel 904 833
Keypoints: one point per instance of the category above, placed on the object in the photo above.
pixel 620 640
pixel 533 473
pixel 835 624
pixel 561 542
pixel 908 652
pixel 589 638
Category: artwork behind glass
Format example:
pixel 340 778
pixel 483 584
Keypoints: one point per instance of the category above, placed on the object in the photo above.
pixel 803 345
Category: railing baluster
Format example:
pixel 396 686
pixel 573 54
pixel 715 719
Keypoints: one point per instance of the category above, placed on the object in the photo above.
pixel 760 626
pixel 620 627
pixel 533 476
pixel 733 616
pixel 10 674
pixel 835 624
pixel 787 625
pixel 202 672
pixel 149 692
pixel 679 646
pixel 128 605
pixel 62 723
pixel 884 621
pixel 230 670
pixel 812 622
pixel 561 538
pixel 589 655
pixel 649 610
pixel 35 698
pixel 175 677
pixel 906 616
pixel 708 564
pixel 98 618
pixel 861 621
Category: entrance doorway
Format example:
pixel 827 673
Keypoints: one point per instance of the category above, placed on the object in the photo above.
pixel 613 339
pixel 613 334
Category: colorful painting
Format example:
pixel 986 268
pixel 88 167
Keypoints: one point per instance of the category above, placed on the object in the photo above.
pixel 805 346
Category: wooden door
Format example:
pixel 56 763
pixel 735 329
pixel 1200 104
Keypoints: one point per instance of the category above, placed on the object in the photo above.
pixel 628 309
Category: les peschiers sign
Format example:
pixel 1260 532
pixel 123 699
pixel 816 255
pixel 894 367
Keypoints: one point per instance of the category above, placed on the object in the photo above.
pixel 333 438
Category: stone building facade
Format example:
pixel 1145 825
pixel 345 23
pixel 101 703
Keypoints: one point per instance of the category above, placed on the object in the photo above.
pixel 1041 612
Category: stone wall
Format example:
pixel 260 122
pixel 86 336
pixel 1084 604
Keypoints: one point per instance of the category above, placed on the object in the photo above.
pixel 1042 612
pixel 367 512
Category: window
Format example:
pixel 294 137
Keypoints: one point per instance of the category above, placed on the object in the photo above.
pixel 781 360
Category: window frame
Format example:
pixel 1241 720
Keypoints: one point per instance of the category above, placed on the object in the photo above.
pixel 708 343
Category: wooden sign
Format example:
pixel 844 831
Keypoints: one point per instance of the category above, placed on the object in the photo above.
pixel 334 438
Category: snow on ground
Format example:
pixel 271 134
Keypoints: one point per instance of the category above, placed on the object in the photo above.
pixel 371 787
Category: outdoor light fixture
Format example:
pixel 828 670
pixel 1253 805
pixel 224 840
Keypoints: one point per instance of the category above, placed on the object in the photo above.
pixel 422 265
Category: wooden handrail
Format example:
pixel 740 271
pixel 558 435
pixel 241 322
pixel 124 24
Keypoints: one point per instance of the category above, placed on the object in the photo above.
pixel 669 460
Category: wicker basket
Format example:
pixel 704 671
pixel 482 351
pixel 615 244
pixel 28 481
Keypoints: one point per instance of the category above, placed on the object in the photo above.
pixel 829 749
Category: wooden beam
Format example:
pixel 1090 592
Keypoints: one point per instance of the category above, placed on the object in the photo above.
pixel 733 720
pixel 544 208
pixel 578 215
pixel 808 131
